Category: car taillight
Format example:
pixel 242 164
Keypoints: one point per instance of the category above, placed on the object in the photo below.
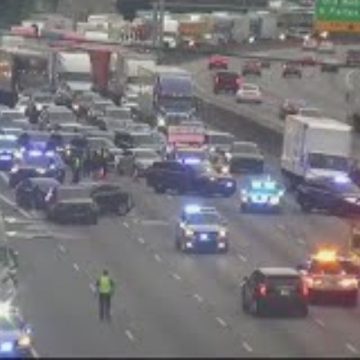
pixel 304 289
pixel 217 80
pixel 262 290
pixel 239 81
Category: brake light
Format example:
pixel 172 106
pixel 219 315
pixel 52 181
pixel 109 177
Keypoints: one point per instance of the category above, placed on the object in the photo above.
pixel 239 81
pixel 304 289
pixel 262 290
pixel 217 80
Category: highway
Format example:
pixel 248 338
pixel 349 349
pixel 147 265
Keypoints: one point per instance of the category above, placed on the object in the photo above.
pixel 167 303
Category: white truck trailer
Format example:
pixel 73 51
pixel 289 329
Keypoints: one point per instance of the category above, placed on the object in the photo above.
pixel 314 148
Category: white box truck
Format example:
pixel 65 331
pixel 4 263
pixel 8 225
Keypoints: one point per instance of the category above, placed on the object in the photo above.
pixel 315 148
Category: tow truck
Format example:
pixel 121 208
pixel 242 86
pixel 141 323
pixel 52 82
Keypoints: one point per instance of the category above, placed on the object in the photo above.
pixel 330 276
pixel 201 228
pixel 260 193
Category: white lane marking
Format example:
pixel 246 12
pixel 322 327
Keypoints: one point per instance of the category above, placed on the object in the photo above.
pixel 135 220
pixel 198 298
pixel 4 177
pixel 76 266
pixel 352 348
pixel 319 322
pixel 348 81
pixel 247 347
pixel 300 241
pixel 176 276
pixel 10 220
pixel 92 288
pixel 242 257
pixel 62 248
pixel 11 233
pixel 34 353
pixel 281 227
pixel 169 197
pixel 141 240
pixel 158 258
pixel 126 224
pixel 221 321
pixel 130 335
pixel 13 204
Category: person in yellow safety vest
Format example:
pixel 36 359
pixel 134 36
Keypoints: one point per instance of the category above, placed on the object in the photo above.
pixel 105 288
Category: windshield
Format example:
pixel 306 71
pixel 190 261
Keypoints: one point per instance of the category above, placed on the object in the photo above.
pixel 331 162
pixel 7 144
pixel 143 140
pixel 119 113
pixel 203 219
pixel 169 104
pixel 74 76
pixel 245 148
pixel 186 154
pixel 220 139
pixel 47 99
pixel 146 155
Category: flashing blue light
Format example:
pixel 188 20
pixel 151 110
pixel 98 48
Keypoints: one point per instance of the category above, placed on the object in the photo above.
pixel 229 184
pixel 35 153
pixel 192 209
pixel 6 347
pixel 8 137
pixel 342 179
pixel 270 185
pixel 191 161
pixel 204 236
pixel 50 153
pixel 256 185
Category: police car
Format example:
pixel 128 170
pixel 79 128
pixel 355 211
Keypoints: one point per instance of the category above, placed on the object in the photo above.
pixel 260 193
pixel 15 334
pixel 36 163
pixel 8 149
pixel 331 277
pixel 201 229
pixel 183 153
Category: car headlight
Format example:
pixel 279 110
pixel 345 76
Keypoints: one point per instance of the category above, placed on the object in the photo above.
pixel 161 122
pixel 189 232
pixel 222 233
pixel 52 167
pixel 41 171
pixel 24 341
pixel 351 199
pixel 14 170
pixel 274 200
pixel 212 178
pixel 225 170
pixel 76 107
pixel 228 156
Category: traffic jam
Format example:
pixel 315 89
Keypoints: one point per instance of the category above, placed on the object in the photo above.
pixel 68 151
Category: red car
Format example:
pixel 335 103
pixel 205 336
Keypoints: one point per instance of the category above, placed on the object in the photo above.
pixel 218 62
pixel 308 60
pixel 252 67
pixel 227 81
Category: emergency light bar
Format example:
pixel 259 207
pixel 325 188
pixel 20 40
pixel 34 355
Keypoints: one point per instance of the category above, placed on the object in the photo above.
pixel 191 161
pixel 192 209
pixel 8 137
pixel 35 153
pixel 326 256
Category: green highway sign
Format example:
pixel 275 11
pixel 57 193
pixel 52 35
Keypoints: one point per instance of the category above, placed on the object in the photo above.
pixel 338 10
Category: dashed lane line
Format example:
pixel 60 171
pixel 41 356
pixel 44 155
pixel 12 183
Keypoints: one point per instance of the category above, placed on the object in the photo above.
pixel 198 298
pixel 76 266
pixel 34 353
pixel 13 205
pixel 221 321
pixel 126 224
pixel 352 348
pixel 141 241
pixel 62 248
pixel 319 322
pixel 157 258
pixel 242 257
pixel 176 276
pixel 247 347
pixel 130 336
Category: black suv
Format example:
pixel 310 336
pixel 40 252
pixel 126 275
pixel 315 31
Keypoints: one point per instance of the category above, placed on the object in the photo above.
pixel 269 290
pixel 182 177
pixel 339 195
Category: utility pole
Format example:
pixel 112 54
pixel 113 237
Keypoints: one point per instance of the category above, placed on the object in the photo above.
pixel 161 28
pixel 155 24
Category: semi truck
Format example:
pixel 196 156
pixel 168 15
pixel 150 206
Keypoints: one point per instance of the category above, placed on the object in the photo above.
pixel 315 147
pixel 172 90
pixel 74 69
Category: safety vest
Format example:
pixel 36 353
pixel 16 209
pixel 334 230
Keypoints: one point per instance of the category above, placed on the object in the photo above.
pixel 105 285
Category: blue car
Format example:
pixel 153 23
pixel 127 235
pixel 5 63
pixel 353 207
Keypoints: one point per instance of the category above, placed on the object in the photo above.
pixel 37 163
pixel 261 193
pixel 15 334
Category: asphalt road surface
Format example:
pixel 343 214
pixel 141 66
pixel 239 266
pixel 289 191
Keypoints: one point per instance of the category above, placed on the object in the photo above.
pixel 167 303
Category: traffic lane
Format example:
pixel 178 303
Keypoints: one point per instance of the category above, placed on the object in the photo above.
pixel 164 320
pixel 218 278
pixel 57 301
